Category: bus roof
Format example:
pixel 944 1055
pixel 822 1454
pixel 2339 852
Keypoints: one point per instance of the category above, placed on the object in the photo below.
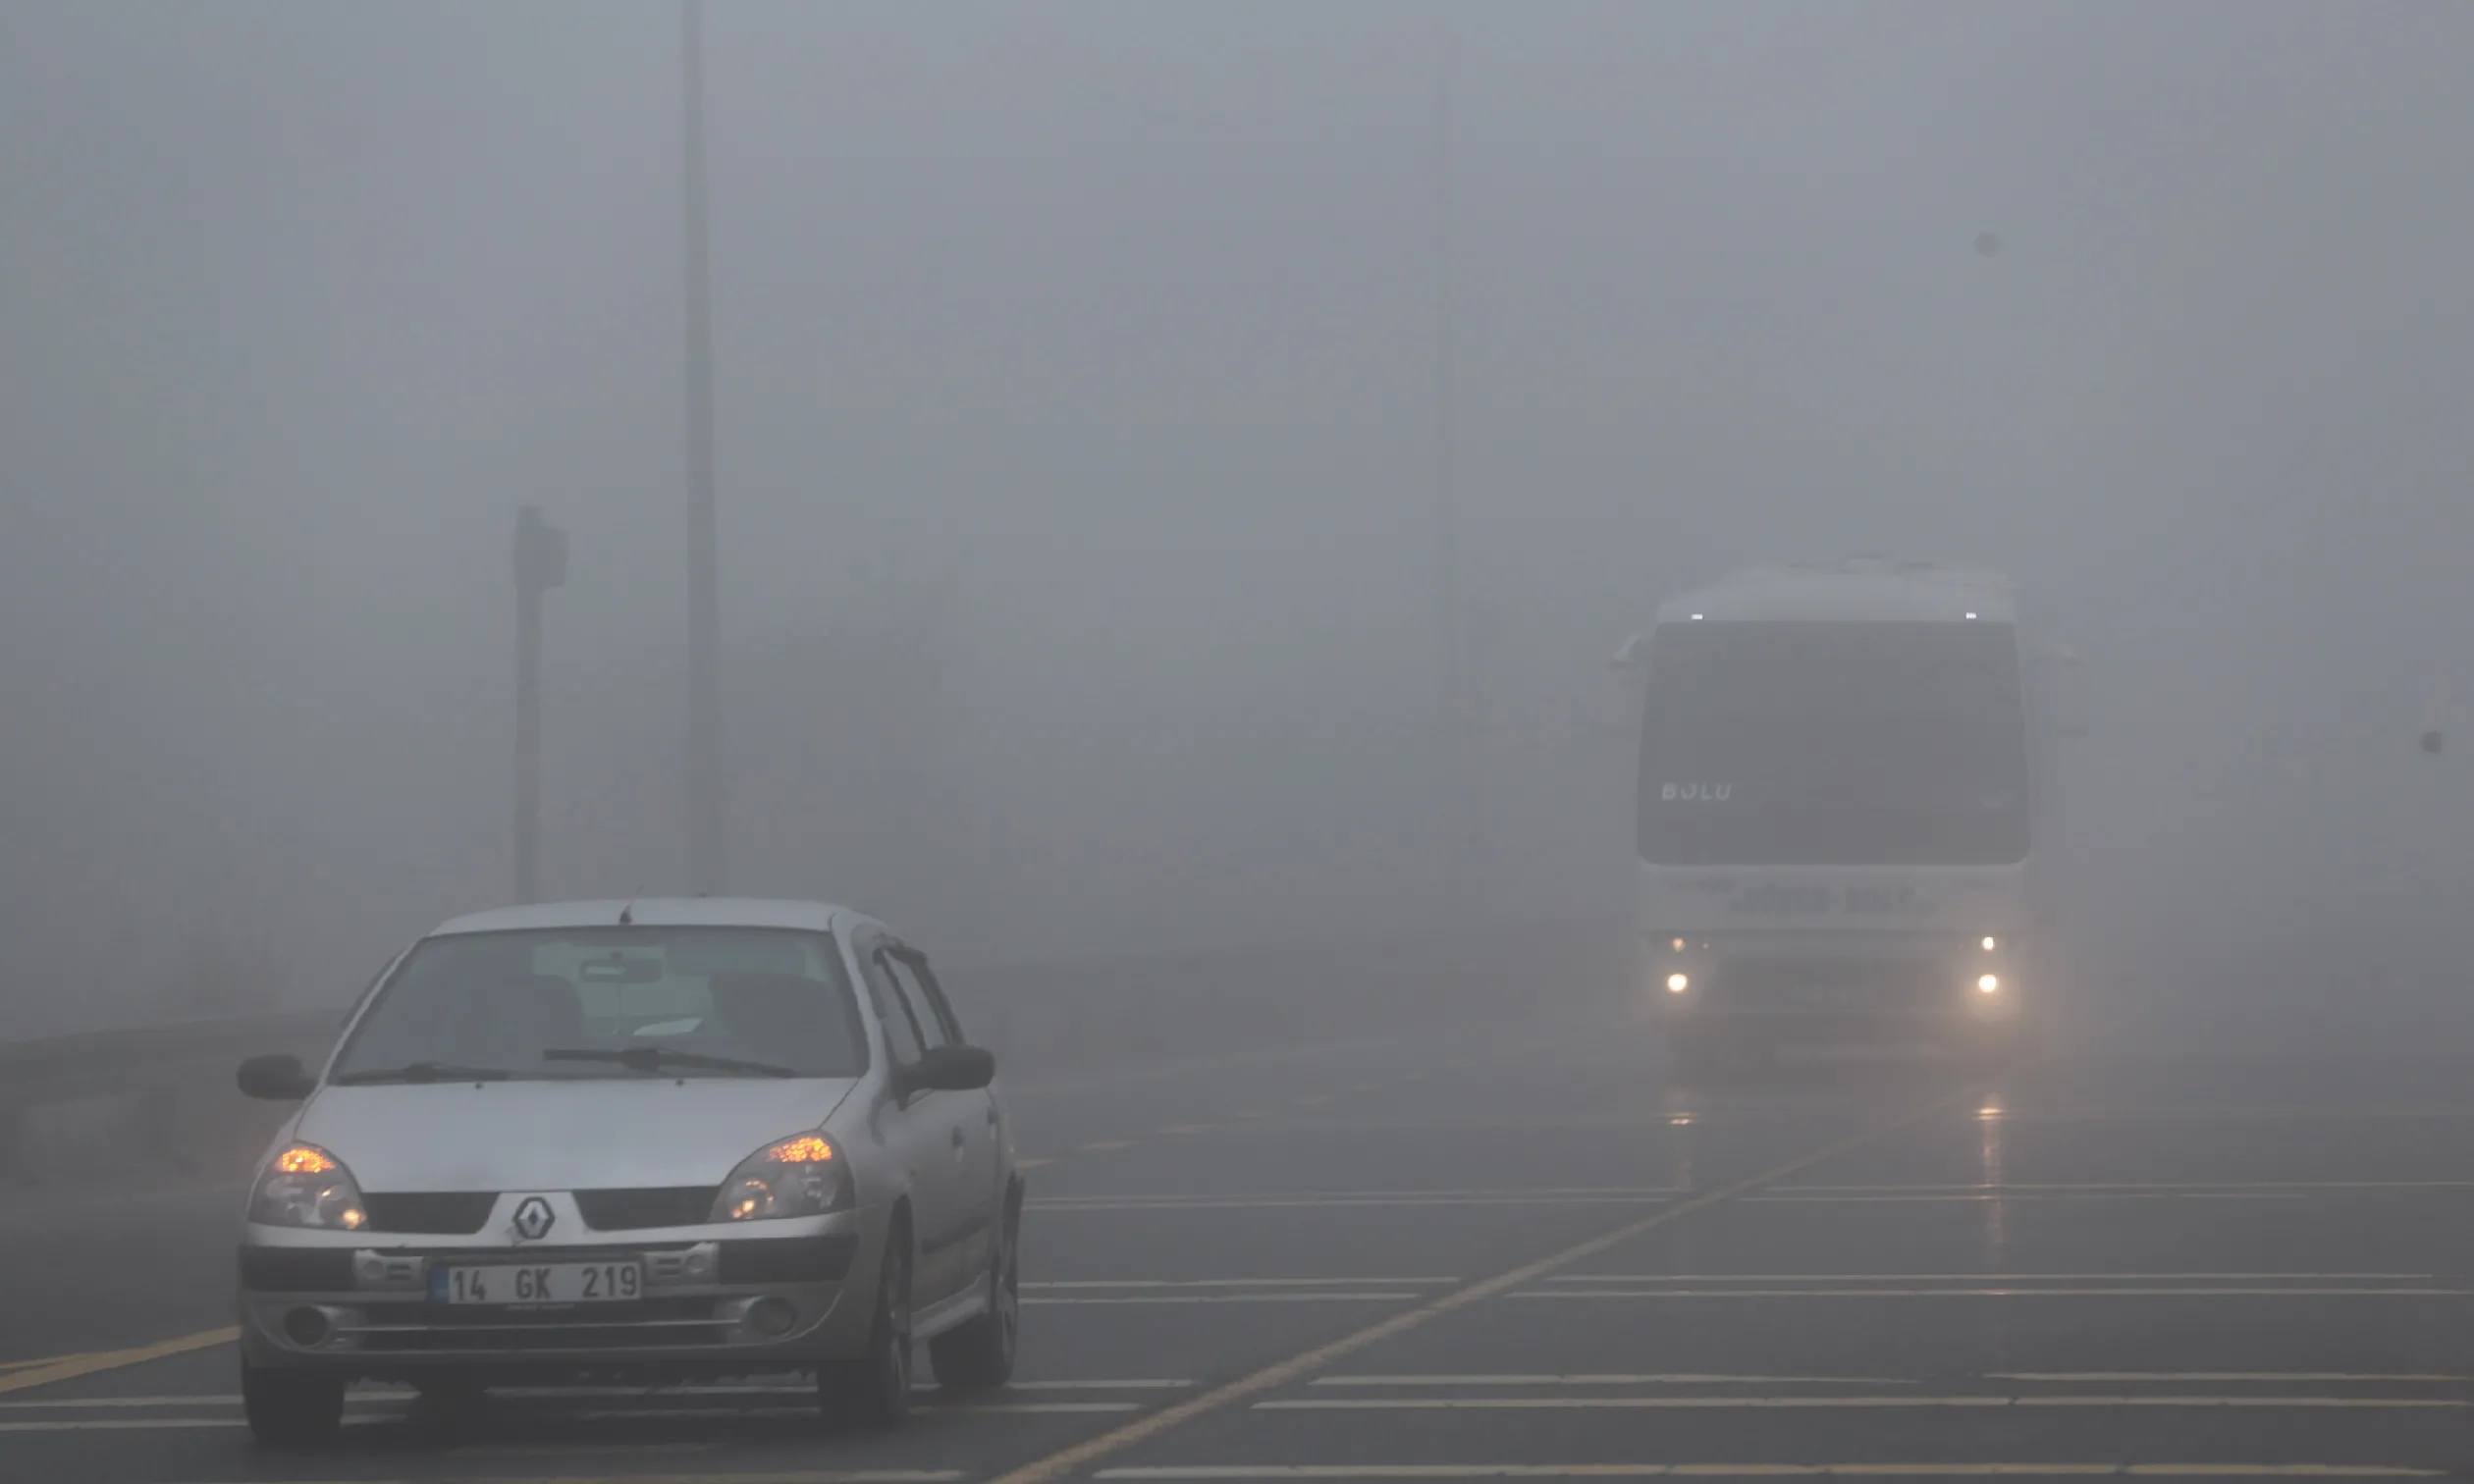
pixel 1864 588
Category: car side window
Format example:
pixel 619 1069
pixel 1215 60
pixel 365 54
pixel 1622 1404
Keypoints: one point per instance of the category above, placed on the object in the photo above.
pixel 938 1003
pixel 902 1033
pixel 922 1005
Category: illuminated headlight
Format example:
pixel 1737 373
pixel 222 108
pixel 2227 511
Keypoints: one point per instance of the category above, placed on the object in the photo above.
pixel 1676 983
pixel 1677 945
pixel 803 1175
pixel 1990 983
pixel 1992 943
pixel 304 1186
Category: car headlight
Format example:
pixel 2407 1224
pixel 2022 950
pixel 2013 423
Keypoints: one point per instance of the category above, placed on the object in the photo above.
pixel 307 1187
pixel 803 1175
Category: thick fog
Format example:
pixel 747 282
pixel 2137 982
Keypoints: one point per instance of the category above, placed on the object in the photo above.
pixel 1076 383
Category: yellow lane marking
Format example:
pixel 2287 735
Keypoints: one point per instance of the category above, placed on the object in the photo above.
pixel 70 1367
pixel 1201 1474
pixel 1082 1456
pixel 1851 1404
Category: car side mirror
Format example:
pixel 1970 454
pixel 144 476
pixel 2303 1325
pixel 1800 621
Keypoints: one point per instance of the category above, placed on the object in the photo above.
pixel 951 1069
pixel 280 1077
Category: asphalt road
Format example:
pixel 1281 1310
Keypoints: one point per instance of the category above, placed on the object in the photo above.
pixel 1542 1259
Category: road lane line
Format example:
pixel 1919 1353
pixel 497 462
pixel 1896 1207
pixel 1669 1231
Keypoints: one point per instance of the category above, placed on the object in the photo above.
pixel 2264 1377
pixel 1681 1378
pixel 1227 1282
pixel 1206 1474
pixel 1083 1456
pixel 1341 1202
pixel 1322 1295
pixel 1518 1193
pixel 70 1367
pixel 1991 1276
pixel 1844 1404
pixel 2022 1196
pixel 2000 1293
pixel 1099 1144
pixel 720 1395
pixel 2085 1187
pixel 118 1424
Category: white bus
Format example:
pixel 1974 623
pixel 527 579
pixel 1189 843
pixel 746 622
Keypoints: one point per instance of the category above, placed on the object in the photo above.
pixel 1844 783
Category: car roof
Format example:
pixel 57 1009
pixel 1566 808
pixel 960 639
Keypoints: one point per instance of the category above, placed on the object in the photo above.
pixel 660 912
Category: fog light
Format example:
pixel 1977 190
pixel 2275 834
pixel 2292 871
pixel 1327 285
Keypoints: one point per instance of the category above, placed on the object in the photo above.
pixel 1676 983
pixel 1989 984
pixel 699 1266
pixel 772 1317
pixel 306 1327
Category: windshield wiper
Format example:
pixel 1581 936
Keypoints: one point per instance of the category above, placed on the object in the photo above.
pixel 422 1072
pixel 662 1058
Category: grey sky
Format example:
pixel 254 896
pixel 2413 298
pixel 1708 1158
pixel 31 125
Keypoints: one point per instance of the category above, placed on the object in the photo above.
pixel 1118 318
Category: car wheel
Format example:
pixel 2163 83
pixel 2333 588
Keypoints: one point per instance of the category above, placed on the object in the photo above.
pixel 872 1392
pixel 290 1408
pixel 980 1355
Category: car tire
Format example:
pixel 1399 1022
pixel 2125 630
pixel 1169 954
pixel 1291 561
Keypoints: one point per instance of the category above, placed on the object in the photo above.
pixel 872 1392
pixel 980 1355
pixel 290 1409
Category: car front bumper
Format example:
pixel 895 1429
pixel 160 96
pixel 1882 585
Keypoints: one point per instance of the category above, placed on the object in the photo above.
pixel 711 1305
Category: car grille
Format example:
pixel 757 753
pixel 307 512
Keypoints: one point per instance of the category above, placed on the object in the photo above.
pixel 635 1210
pixel 429 1214
pixel 418 1328
pixel 1827 983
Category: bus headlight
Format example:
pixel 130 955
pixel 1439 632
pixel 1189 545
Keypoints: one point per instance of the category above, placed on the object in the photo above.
pixel 1676 983
pixel 1990 983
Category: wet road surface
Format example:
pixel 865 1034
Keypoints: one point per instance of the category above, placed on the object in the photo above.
pixel 1544 1259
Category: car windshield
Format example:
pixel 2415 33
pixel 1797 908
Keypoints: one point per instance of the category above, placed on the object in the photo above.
pixel 617 1002
pixel 1816 744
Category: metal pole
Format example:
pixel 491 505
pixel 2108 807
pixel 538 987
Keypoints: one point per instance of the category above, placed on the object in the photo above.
pixel 527 730
pixel 705 803
pixel 540 565
pixel 1453 699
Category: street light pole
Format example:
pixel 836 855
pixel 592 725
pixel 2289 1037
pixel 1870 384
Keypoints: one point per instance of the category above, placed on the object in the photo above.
pixel 1458 812
pixel 705 805
pixel 540 565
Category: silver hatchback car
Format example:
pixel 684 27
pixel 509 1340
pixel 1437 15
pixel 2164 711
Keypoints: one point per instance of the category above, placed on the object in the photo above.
pixel 620 1142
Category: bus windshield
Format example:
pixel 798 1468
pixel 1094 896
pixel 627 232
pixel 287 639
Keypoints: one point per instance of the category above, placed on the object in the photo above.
pixel 1834 744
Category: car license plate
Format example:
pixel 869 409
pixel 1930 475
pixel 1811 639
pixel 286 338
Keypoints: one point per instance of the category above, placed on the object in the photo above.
pixel 539 1283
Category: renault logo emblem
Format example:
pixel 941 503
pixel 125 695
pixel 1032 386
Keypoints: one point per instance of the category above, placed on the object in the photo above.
pixel 534 1218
